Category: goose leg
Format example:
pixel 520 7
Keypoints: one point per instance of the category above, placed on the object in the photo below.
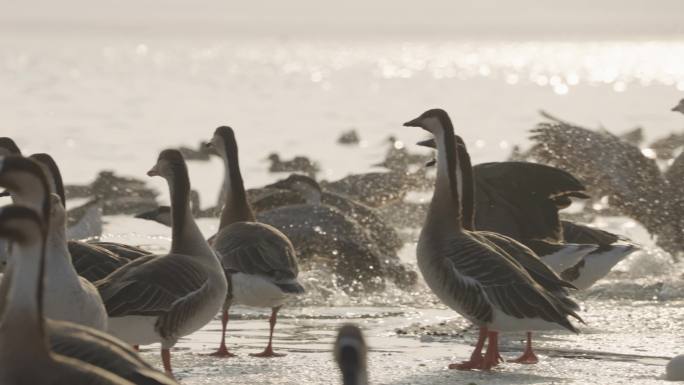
pixel 528 357
pixel 492 356
pixel 476 358
pixel 166 360
pixel 268 352
pixel 223 349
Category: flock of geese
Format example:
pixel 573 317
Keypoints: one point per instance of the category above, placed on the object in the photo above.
pixel 492 247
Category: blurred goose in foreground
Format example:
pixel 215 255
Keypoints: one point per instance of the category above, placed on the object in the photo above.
pixel 68 296
pixel 24 354
pixel 633 182
pixel 259 261
pixel 538 270
pixel 468 273
pixel 521 200
pixel 160 298
pixel 350 353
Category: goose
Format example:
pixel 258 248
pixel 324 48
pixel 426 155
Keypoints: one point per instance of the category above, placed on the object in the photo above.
pixel 350 354
pixel 297 164
pixel 521 200
pixel 535 267
pixel 68 297
pixel 259 260
pixel 382 234
pixel 471 274
pixel 160 298
pixel 326 226
pixel 634 184
pixel 25 357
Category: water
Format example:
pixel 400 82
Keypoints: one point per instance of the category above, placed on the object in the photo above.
pixel 98 102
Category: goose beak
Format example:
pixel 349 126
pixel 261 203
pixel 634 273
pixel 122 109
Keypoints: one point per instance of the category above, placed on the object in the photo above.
pixel 417 122
pixel 430 143
pixel 431 162
pixel 154 171
pixel 678 108
pixel 4 193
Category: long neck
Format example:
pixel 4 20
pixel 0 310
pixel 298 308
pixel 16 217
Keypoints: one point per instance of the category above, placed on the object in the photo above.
pixel 56 248
pixel 445 208
pixel 21 325
pixel 237 208
pixel 354 377
pixel 467 186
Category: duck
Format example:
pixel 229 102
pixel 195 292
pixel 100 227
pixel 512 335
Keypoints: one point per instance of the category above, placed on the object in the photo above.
pixel 297 164
pixel 633 183
pixel 259 261
pixel 470 274
pixel 68 296
pixel 350 353
pixel 535 266
pixel 23 340
pixel 160 298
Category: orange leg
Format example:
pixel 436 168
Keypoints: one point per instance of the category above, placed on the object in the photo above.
pixel 166 360
pixel 492 356
pixel 268 352
pixel 476 358
pixel 528 357
pixel 223 350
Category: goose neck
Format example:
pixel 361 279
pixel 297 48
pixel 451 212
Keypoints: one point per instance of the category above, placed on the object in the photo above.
pixel 445 207
pixel 236 208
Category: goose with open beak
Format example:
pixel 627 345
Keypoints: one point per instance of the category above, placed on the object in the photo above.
pixel 471 274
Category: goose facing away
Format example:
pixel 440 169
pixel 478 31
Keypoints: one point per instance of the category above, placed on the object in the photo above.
pixel 160 298
pixel 530 261
pixel 472 276
pixel 23 344
pixel 350 352
pixel 259 261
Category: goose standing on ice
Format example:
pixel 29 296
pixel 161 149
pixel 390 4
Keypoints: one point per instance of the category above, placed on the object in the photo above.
pixel 259 260
pixel 160 298
pixel 350 354
pixel 470 274
pixel 68 297
pixel 24 354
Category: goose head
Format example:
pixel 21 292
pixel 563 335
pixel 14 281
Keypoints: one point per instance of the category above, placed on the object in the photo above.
pixel 223 142
pixel 679 107
pixel 435 121
pixel 350 353
pixel 274 158
pixel 54 176
pixel 169 164
pixel 8 147
pixel 26 182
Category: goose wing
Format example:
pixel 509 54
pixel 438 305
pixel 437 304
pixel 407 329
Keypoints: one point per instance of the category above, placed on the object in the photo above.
pixel 257 248
pixel 92 262
pixel 153 286
pixel 480 277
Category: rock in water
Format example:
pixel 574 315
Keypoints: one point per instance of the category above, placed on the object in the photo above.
pixel 675 369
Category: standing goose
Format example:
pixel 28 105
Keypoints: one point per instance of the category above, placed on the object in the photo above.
pixel 24 354
pixel 68 297
pixel 160 298
pixel 350 353
pixel 538 270
pixel 259 261
pixel 470 274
